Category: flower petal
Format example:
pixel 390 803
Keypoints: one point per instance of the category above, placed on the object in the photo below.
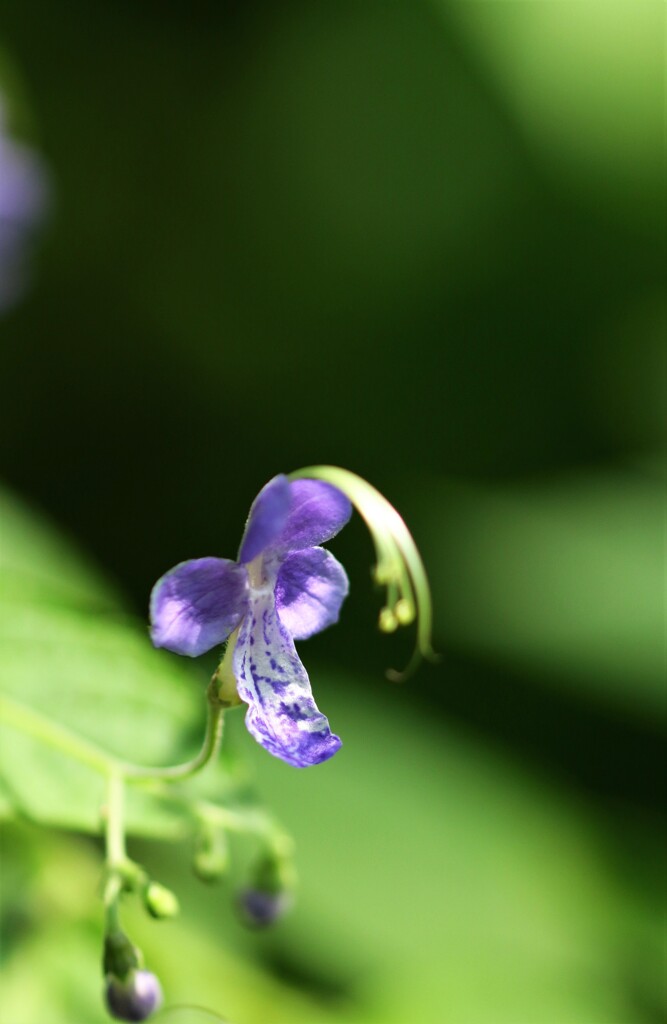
pixel 311 588
pixel 267 518
pixel 23 204
pixel 197 604
pixel 317 512
pixel 282 714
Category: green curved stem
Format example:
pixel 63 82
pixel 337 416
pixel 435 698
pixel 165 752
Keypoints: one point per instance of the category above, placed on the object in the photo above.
pixel 59 737
pixel 399 562
pixel 179 772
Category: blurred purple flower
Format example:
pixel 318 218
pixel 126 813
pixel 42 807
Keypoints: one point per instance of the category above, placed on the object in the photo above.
pixel 260 908
pixel 282 588
pixel 23 200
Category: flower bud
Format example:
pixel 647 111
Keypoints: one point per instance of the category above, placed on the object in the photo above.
pixel 135 998
pixel 260 908
pixel 270 892
pixel 159 901
pixel 388 622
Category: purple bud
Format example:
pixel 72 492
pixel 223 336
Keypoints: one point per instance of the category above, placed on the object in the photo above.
pixel 134 999
pixel 260 908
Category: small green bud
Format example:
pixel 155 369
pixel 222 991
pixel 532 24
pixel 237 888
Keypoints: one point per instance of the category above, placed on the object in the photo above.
pixel 404 611
pixel 159 901
pixel 388 622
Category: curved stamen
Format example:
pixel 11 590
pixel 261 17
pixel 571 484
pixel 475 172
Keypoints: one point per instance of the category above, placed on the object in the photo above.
pixel 399 565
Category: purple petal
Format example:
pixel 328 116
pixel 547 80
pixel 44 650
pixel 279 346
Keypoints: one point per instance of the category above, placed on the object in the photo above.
pixel 282 714
pixel 267 518
pixel 23 202
pixel 311 588
pixel 317 512
pixel 197 604
pixel 22 185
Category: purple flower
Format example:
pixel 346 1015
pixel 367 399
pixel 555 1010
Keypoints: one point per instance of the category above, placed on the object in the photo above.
pixel 23 195
pixel 282 588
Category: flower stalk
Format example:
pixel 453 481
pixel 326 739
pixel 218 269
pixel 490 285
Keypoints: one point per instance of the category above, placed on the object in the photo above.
pixel 58 737
pixel 209 748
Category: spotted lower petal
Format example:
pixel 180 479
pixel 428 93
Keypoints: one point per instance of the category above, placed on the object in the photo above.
pixel 270 678
pixel 197 604
pixel 311 588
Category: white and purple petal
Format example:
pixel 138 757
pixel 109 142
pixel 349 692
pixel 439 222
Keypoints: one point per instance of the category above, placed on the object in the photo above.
pixel 317 512
pixel 267 518
pixel 282 714
pixel 311 588
pixel 197 604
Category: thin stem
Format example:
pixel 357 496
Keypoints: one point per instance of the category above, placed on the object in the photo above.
pixel 115 849
pixel 59 737
pixel 115 836
pixel 179 772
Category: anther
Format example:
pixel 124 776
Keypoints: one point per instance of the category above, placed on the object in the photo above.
pixel 388 622
pixel 404 611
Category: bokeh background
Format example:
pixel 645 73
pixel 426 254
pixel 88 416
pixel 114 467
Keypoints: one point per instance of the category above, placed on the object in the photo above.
pixel 425 241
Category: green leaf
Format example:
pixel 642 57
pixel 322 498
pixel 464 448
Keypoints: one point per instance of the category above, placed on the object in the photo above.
pixel 69 660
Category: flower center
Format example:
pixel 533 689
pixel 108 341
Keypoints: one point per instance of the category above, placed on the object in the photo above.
pixel 259 579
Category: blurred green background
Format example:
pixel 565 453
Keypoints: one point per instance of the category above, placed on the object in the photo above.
pixel 424 241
